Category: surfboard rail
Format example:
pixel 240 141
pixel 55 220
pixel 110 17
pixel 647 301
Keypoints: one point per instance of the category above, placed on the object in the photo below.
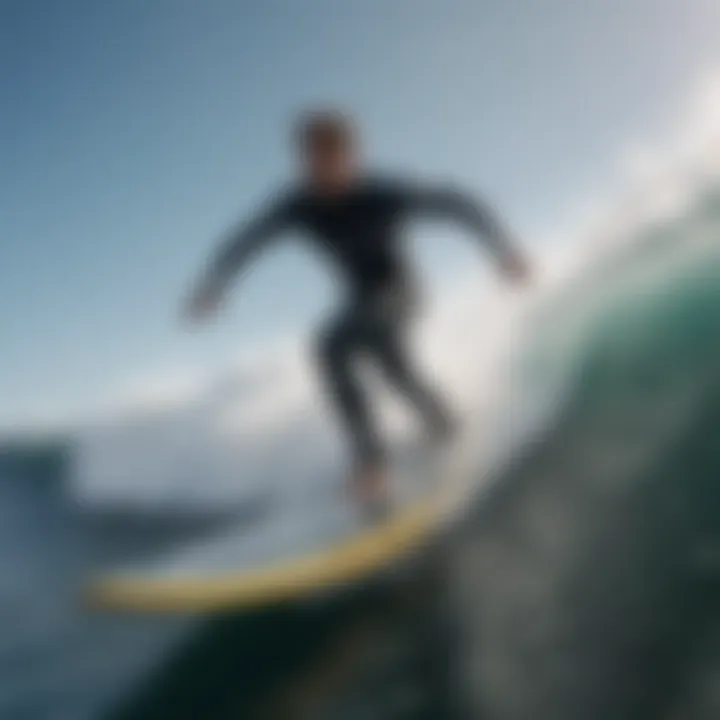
pixel 364 553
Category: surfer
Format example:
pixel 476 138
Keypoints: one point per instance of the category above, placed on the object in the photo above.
pixel 355 219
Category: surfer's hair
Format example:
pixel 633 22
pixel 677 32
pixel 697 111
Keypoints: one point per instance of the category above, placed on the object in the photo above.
pixel 324 128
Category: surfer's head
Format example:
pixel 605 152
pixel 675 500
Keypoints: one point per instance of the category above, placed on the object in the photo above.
pixel 327 145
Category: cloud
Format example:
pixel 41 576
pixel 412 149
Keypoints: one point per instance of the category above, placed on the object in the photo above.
pixel 663 174
pixel 657 177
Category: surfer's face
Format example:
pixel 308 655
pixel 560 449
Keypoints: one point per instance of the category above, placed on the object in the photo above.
pixel 330 168
pixel 329 156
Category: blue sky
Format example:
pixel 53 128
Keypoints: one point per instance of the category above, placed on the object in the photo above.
pixel 132 133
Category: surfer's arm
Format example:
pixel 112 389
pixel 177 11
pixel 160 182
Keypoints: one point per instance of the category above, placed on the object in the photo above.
pixel 241 247
pixel 479 217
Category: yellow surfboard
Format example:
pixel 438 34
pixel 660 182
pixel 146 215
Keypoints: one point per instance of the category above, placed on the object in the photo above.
pixel 299 552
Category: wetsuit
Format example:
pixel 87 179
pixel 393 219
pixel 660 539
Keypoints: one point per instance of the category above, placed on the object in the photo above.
pixel 359 231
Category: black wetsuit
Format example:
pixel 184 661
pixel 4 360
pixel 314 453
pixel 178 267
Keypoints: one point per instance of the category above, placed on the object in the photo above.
pixel 359 231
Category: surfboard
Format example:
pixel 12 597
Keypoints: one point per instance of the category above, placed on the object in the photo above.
pixel 302 549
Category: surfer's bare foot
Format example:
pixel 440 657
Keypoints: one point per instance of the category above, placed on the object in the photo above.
pixel 370 485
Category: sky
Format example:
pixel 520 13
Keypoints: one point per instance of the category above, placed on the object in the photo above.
pixel 133 133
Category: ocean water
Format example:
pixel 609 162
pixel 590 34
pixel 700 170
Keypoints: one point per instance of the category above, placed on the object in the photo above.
pixel 620 370
pixel 591 588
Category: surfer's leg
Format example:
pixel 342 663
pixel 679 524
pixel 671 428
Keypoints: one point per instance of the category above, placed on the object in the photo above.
pixel 392 352
pixel 338 347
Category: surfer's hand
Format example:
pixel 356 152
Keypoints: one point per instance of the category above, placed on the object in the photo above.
pixel 202 304
pixel 516 268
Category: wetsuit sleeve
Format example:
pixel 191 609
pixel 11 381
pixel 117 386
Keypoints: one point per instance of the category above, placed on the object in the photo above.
pixel 476 215
pixel 244 243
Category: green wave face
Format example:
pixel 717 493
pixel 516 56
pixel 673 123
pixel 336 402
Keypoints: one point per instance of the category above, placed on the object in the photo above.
pixel 642 325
